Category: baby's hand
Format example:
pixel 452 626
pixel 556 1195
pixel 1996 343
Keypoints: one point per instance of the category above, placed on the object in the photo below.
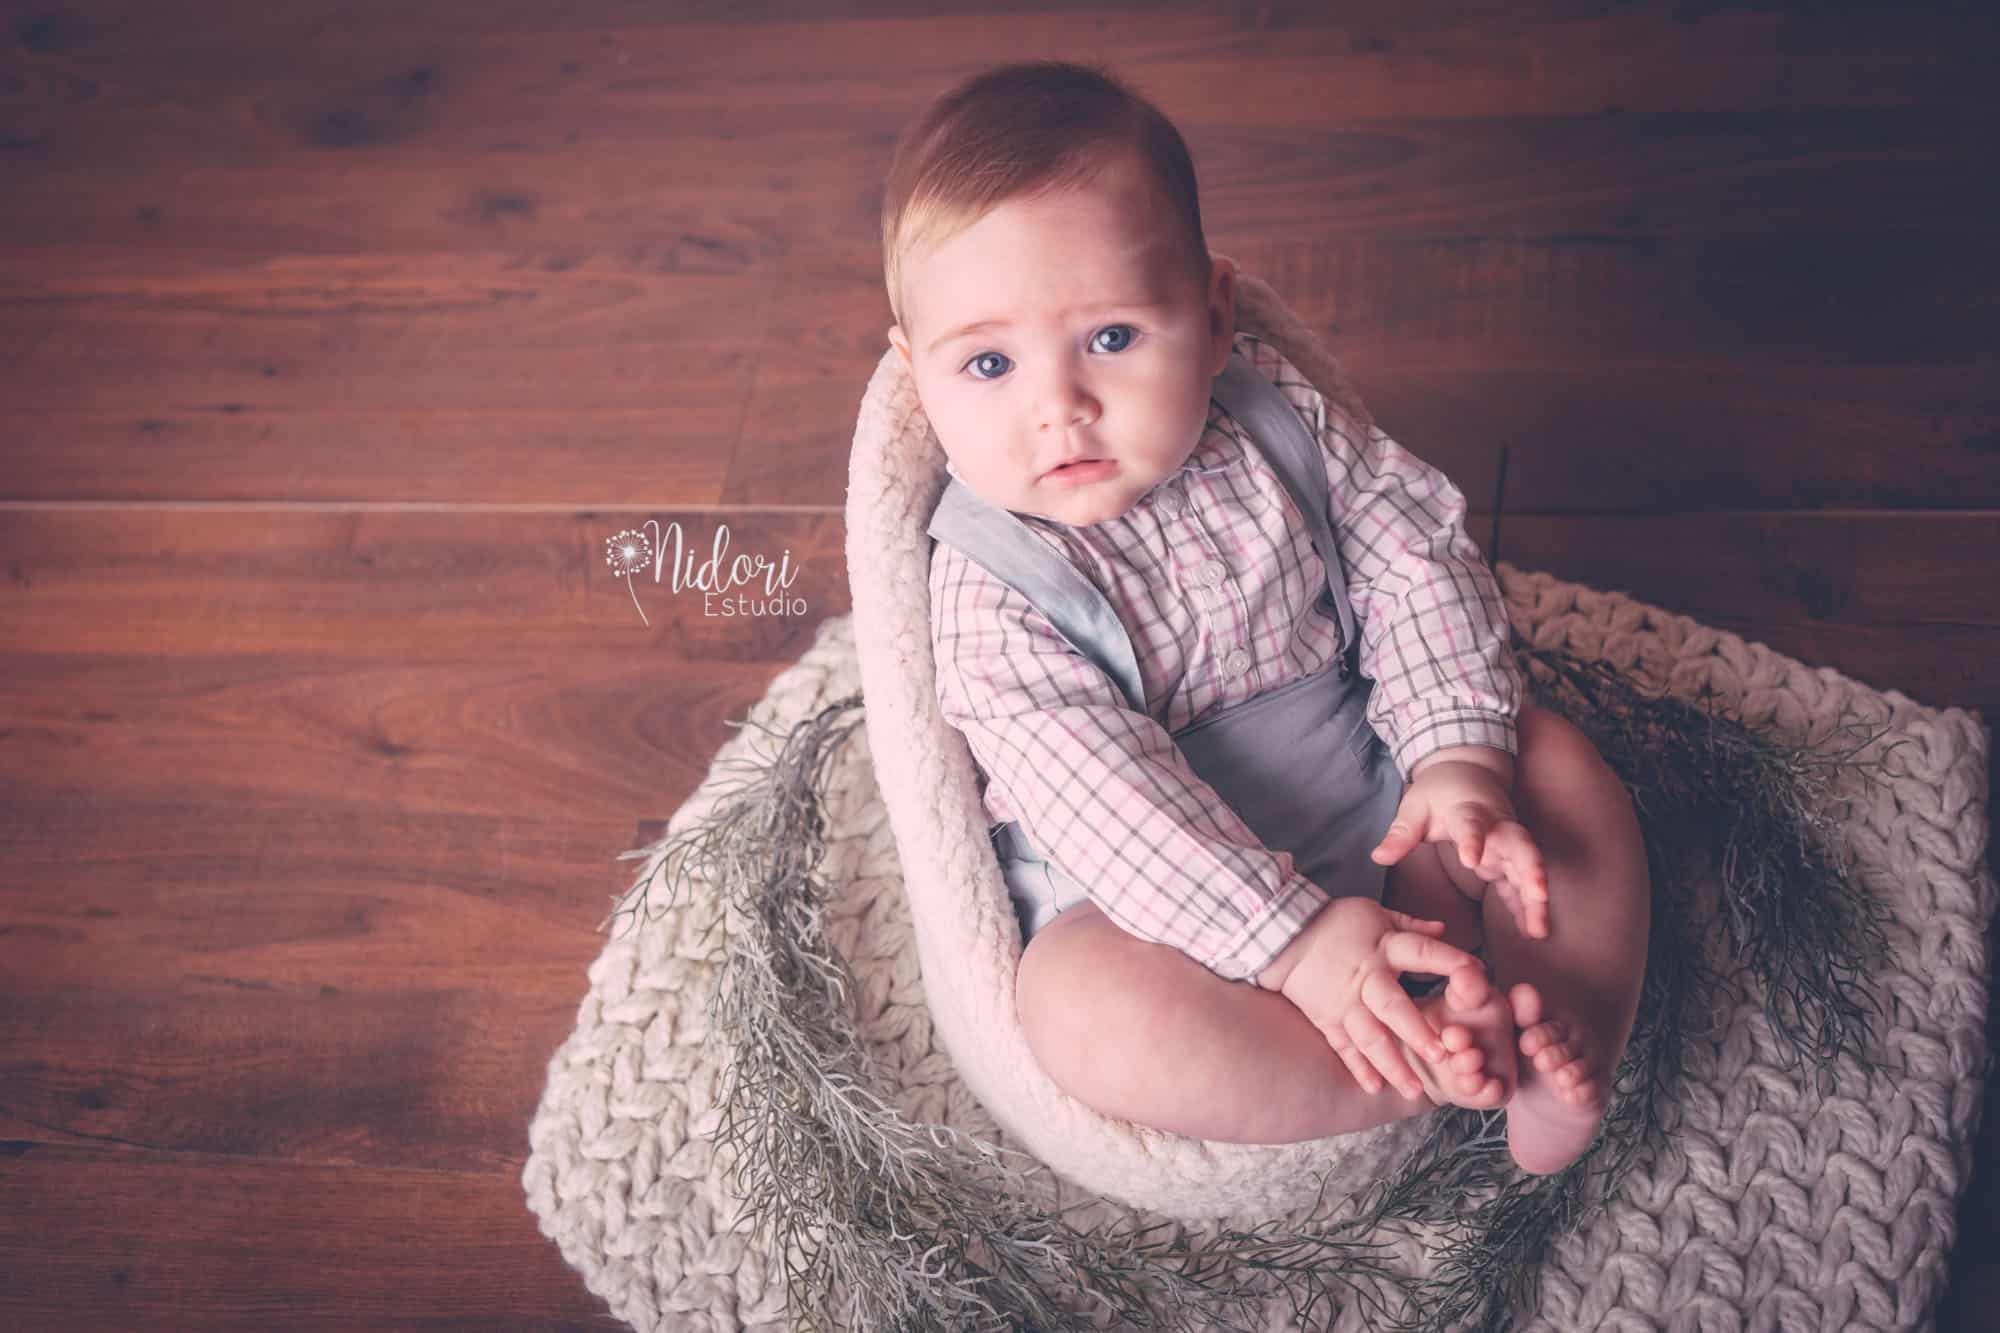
pixel 1469 807
pixel 1345 981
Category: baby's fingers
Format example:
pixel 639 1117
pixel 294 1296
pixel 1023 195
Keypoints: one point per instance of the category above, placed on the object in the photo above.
pixel 1357 1064
pixel 1392 1004
pixel 1407 951
pixel 1382 1051
pixel 1535 906
pixel 1404 921
pixel 1513 859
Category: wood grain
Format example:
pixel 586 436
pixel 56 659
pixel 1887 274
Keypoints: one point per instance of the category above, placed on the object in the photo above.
pixel 336 341
pixel 193 1240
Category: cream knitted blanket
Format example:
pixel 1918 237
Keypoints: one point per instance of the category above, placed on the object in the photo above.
pixel 1777 1209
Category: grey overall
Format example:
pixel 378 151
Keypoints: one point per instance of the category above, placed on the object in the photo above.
pixel 1299 764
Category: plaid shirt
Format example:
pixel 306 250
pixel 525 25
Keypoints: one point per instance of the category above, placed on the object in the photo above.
pixel 1214 577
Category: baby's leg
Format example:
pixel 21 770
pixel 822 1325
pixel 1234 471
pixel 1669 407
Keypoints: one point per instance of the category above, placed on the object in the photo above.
pixel 1143 1032
pixel 1574 994
pixel 1425 884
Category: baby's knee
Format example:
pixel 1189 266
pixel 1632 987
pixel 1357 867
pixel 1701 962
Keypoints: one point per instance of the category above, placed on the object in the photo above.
pixel 1038 978
pixel 1051 985
pixel 1097 1006
pixel 1570 798
pixel 1556 760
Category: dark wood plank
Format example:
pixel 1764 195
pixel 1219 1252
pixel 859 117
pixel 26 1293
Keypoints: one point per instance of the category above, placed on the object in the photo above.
pixel 403 587
pixel 282 736
pixel 186 1240
pixel 1851 570
pixel 1594 173
pixel 439 1067
pixel 1573 194
pixel 1663 440
pixel 378 71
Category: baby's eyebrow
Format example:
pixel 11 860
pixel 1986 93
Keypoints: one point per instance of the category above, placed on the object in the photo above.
pixel 966 329
pixel 961 332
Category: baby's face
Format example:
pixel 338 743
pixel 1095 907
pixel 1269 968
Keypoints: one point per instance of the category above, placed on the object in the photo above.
pixel 1096 344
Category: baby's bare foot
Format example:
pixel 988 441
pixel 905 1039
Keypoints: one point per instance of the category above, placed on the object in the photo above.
pixel 1476 1028
pixel 1564 1086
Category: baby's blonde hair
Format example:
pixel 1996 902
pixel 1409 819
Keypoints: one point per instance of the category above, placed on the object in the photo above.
pixel 1017 130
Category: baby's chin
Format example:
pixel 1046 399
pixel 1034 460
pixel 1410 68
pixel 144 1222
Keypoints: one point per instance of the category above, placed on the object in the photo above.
pixel 1097 514
pixel 1078 507
pixel 1083 510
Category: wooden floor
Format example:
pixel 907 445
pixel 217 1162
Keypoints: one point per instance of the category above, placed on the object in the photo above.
pixel 335 340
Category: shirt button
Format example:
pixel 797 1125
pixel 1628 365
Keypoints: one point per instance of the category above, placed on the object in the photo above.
pixel 1237 662
pixel 1212 574
pixel 1171 503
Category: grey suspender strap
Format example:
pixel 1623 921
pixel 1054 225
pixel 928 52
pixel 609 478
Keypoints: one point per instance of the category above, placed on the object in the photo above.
pixel 1017 557
pixel 1271 419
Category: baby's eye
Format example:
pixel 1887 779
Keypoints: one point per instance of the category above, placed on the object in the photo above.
pixel 1122 336
pixel 985 356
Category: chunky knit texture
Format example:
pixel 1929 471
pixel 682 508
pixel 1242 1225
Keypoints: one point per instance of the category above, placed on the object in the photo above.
pixel 1774 1208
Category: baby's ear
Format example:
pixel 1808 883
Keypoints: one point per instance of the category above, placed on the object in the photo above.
pixel 902 343
pixel 1222 312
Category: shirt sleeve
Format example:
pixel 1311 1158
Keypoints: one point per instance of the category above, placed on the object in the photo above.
pixel 1102 791
pixel 1433 624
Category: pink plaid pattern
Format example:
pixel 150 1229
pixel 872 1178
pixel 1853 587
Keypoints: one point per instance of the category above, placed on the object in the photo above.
pixel 1215 577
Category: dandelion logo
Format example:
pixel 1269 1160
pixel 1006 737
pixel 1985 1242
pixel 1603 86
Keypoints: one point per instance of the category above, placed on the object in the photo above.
pixel 716 578
pixel 630 553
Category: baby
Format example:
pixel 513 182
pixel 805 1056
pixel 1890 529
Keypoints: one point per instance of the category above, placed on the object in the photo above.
pixel 1250 762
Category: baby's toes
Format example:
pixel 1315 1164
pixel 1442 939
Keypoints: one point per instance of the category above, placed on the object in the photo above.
pixel 1469 1061
pixel 1577 1081
pixel 1467 988
pixel 1484 1091
pixel 1555 1059
pixel 1525 1004
pixel 1455 1037
pixel 1476 1082
pixel 1540 1038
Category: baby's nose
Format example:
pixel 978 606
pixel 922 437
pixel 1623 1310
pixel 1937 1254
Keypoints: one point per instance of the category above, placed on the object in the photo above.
pixel 1067 404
